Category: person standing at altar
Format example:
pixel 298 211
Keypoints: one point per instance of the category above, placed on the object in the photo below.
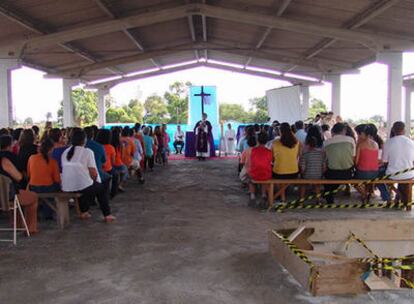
pixel 202 143
pixel 230 138
pixel 209 132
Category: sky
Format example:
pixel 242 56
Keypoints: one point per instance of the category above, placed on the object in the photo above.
pixel 363 95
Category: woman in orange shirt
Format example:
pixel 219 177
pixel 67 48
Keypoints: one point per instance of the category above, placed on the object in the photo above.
pixel 119 165
pixel 43 174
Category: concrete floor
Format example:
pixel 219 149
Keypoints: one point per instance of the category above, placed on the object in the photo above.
pixel 176 241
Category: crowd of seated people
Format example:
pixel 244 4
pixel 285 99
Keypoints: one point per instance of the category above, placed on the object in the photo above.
pixel 283 151
pixel 95 163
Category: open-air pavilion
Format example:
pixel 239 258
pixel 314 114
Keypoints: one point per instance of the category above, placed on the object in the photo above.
pixel 186 235
pixel 102 43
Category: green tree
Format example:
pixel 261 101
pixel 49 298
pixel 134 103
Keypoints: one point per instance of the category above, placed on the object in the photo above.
pixel 316 106
pixel 85 107
pixel 132 112
pixel 28 121
pixel 177 102
pixel 234 112
pixel 156 110
pixel 259 111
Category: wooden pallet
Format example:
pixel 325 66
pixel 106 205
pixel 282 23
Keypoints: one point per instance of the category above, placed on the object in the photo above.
pixel 335 267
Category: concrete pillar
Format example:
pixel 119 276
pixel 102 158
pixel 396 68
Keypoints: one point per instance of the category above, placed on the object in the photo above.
pixel 408 92
pixel 68 109
pixel 102 93
pixel 335 80
pixel 305 101
pixel 6 103
pixel 395 81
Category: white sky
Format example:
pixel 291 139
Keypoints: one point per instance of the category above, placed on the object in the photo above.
pixel 363 95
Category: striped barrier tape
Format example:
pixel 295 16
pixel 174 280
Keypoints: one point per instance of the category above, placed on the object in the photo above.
pixel 300 254
pixel 342 188
pixel 379 265
pixel 379 205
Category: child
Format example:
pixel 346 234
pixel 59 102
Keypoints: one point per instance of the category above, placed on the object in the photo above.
pixel 260 167
pixel 312 163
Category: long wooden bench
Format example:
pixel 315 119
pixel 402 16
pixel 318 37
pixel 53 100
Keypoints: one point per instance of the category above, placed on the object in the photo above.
pixel 59 203
pixel 284 183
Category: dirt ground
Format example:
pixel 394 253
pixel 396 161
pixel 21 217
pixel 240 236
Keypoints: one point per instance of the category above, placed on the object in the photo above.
pixel 186 236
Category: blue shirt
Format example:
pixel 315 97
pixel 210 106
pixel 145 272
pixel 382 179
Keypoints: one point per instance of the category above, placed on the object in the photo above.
pixel 301 135
pixel 99 153
pixel 57 155
pixel 148 143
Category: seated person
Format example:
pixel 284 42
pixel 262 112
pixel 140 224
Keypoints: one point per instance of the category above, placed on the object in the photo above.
pixel 103 137
pixel 9 168
pixel 311 163
pixel 179 140
pixel 398 155
pixel 245 162
pixel 43 174
pixel 340 152
pixel 79 174
pixel 260 166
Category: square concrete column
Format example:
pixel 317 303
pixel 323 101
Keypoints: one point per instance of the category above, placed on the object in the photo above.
pixel 395 82
pixel 408 92
pixel 335 80
pixel 68 109
pixel 102 93
pixel 6 102
pixel 305 101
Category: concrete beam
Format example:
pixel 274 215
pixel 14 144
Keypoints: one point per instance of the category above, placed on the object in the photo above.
pixel 99 28
pixel 371 40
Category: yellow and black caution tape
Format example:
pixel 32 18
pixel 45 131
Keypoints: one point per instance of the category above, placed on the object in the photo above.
pixel 385 260
pixel 299 253
pixel 378 265
pixel 300 201
pixel 379 205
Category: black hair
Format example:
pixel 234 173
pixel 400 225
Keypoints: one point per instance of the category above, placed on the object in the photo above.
pixel 251 141
pixel 262 138
pixel 89 132
pixel 316 132
pixel 55 134
pixel 350 132
pixel 311 141
pixel 45 146
pixel 398 127
pixel 125 131
pixel 338 128
pixel 137 127
pixel 36 130
pixel 27 138
pixel 376 137
pixel 287 138
pixel 116 142
pixel 299 125
pixel 103 137
pixel 77 138
pixel 360 128
pixel 325 128
pixel 16 133
pixel 4 131
pixel 5 141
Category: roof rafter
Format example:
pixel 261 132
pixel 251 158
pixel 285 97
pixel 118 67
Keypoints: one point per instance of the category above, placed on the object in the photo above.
pixel 369 39
pixel 104 6
pixel 225 47
pixel 357 21
pixel 34 26
pixel 281 9
pixel 112 83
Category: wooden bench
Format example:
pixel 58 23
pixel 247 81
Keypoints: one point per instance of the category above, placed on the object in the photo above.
pixel 284 183
pixel 59 202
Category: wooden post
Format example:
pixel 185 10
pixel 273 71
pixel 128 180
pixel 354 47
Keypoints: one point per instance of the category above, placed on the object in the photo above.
pixel 62 213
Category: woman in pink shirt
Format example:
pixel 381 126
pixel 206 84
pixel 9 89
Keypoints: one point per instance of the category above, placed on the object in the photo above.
pixel 366 159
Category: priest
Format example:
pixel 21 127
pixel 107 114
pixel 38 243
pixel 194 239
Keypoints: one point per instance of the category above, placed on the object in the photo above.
pixel 203 130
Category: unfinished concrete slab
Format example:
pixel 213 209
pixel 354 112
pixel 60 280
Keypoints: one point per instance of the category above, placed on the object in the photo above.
pixel 186 236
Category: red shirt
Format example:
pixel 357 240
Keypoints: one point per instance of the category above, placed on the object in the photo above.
pixel 261 164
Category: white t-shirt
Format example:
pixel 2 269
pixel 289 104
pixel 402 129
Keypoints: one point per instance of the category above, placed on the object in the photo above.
pixel 398 152
pixel 179 135
pixel 75 173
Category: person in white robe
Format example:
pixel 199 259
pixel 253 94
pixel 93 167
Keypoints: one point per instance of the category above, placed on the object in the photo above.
pixel 230 138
